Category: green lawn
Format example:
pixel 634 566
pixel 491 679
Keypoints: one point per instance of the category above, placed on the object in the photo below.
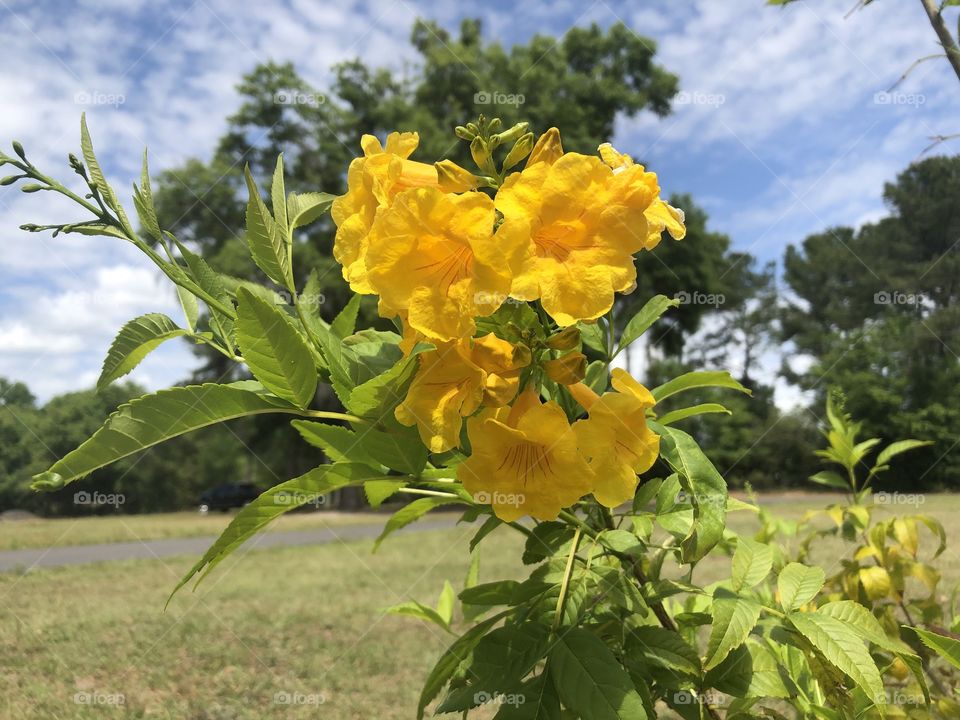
pixel 301 622
pixel 44 533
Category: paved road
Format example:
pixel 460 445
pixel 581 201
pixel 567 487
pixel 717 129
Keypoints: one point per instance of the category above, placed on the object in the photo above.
pixel 152 549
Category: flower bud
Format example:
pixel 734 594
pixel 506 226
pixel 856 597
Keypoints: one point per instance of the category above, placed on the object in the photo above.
pixel 480 153
pixel 18 149
pixel 514 133
pixel 519 151
pixel 548 148
pixel 10 179
pixel 568 369
pixel 455 179
pixel 464 133
pixel 566 339
pixel 31 188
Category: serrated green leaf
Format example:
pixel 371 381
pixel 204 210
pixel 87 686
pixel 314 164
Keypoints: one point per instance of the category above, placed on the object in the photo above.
pixel 698 379
pixel 445 603
pixel 945 647
pixel 270 505
pixel 898 448
pixel 654 308
pixel 379 491
pixel 278 197
pixel 704 485
pixel 749 671
pixel 137 339
pixel 345 323
pixel 830 479
pixel 499 592
pixel 798 584
pixel 752 562
pixel 147 421
pixel 398 447
pixel 733 619
pixel 411 513
pixel 660 648
pixel 191 309
pixel 268 244
pixel 97 177
pixel 842 647
pixel 143 201
pixel 274 350
pixel 590 680
pixel 540 701
pixel 305 208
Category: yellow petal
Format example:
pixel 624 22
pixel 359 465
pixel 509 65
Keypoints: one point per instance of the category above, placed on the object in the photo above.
pixel 547 149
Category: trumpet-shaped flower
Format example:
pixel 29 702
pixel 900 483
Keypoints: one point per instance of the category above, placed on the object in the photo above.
pixel 454 380
pixel 372 182
pixel 525 460
pixel 584 225
pixel 434 257
pixel 615 438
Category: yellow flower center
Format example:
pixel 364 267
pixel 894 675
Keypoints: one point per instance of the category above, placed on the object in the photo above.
pixel 558 239
pixel 448 261
pixel 526 459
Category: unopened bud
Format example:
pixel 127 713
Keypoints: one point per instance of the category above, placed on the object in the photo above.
pixel 31 188
pixel 480 153
pixel 464 133
pixel 10 179
pixel 494 125
pixel 567 369
pixel 519 151
pixel 514 133
pixel 548 148
pixel 18 149
pixel 566 339
pixel 455 179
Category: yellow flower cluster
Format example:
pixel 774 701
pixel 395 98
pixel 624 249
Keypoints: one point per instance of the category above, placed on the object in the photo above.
pixel 440 254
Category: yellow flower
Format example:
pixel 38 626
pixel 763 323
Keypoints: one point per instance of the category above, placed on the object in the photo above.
pixel 434 256
pixel 372 182
pixel 452 382
pixel 660 216
pixel 584 222
pixel 525 460
pixel 615 437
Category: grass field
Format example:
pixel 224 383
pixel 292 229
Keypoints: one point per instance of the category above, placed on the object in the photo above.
pixel 60 532
pixel 302 623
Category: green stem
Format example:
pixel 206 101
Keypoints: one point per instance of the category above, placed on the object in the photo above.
pixel 568 571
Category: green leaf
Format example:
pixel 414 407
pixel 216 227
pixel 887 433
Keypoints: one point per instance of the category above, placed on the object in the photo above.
pixel 270 505
pixel 191 309
pixel 412 608
pixel 698 379
pixel 274 350
pixel 593 336
pixel 867 626
pixel 540 701
pixel 733 619
pixel 147 421
pixel 303 209
pixel 491 593
pixel 750 671
pixel 411 513
pixel 647 316
pixel 398 447
pixel 446 602
pixel 143 202
pixel 338 443
pixel 379 491
pixel 98 179
pixel 590 680
pixel 278 197
pixel 705 487
pixel 379 395
pixel 345 323
pixel 751 563
pixel 137 339
pixel 664 649
pixel 268 244
pixel 947 648
pixel 546 540
pixel 830 479
pixel 842 647
pixel 898 448
pixel 451 660
pixel 684 413
pixel 798 584
pixel 210 283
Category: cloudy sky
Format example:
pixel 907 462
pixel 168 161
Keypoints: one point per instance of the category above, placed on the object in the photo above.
pixel 782 128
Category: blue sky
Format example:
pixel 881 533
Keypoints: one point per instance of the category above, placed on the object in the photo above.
pixel 782 127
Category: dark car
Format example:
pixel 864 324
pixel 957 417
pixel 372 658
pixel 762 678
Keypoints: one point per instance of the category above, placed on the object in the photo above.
pixel 228 496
